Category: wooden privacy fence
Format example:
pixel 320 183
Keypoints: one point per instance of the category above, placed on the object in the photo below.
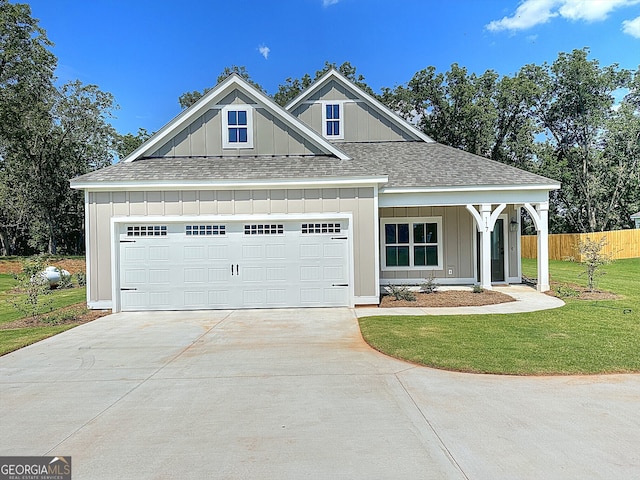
pixel 620 244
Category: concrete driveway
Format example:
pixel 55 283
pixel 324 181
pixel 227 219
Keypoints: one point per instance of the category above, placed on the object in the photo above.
pixel 297 394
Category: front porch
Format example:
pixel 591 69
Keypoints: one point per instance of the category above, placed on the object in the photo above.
pixel 458 244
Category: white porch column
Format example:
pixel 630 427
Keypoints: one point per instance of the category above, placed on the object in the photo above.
pixel 541 219
pixel 485 221
pixel 543 248
pixel 485 247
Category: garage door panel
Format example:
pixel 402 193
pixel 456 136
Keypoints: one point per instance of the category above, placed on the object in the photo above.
pixel 136 276
pixel 219 274
pixel 161 299
pixel 310 273
pixel 275 252
pixel 194 252
pixel 253 297
pixel 334 250
pixel 134 253
pixel 276 274
pixel 310 251
pixel 274 265
pixel 195 275
pixel 252 252
pixel 219 298
pixel 335 296
pixel 159 276
pixel 311 296
pixel 253 274
pixel 195 298
pixel 276 297
pixel 218 252
pixel 159 252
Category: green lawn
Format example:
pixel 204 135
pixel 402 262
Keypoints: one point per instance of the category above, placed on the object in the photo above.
pixel 581 337
pixel 12 339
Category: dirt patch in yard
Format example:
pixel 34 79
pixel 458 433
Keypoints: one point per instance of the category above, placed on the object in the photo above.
pixel 449 298
pixel 71 265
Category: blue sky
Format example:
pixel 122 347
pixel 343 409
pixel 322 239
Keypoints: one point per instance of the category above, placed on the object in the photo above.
pixel 147 53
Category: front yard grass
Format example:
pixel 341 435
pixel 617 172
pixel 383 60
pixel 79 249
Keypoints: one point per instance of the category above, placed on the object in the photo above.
pixel 583 337
pixel 13 338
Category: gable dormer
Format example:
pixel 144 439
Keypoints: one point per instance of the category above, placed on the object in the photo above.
pixel 234 119
pixel 342 112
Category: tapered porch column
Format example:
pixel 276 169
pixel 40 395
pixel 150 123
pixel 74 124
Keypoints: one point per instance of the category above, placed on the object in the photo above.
pixel 540 218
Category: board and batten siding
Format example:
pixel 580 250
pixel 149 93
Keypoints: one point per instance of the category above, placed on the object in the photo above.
pixel 203 137
pixel 362 123
pixel 358 201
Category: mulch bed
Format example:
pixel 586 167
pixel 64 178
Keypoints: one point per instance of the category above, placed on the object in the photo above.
pixel 449 298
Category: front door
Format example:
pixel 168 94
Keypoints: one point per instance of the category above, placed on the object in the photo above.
pixel 497 252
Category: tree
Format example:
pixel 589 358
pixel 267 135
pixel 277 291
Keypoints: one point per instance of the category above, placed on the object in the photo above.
pixel 47 136
pixel 26 81
pixel 482 114
pixel 294 86
pixel 127 143
pixel 574 106
pixel 189 98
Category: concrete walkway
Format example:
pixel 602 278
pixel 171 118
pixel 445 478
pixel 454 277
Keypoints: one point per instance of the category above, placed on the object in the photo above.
pixel 527 300
pixel 289 394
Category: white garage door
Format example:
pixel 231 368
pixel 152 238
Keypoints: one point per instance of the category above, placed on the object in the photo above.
pixel 213 265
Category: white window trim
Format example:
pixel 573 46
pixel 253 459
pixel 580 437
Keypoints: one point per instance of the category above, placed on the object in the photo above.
pixel 410 221
pixel 340 104
pixel 225 126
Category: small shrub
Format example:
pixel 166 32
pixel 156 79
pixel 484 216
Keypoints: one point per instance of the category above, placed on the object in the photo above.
pixel 592 259
pixel 34 288
pixel 402 293
pixel 477 289
pixel 430 286
pixel 565 291
pixel 81 277
pixel 62 316
pixel 65 280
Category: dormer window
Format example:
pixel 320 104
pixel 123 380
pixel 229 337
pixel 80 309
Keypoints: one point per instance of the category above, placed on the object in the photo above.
pixel 237 126
pixel 332 115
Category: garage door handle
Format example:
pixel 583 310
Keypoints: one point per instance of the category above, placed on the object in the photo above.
pixel 127 241
pixel 237 269
pixel 339 284
pixel 339 238
pixel 127 289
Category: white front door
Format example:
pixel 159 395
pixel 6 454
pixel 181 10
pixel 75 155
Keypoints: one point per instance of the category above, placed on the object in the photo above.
pixel 215 265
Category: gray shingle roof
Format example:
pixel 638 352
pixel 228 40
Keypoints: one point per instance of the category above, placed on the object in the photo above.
pixel 407 164
pixel 417 164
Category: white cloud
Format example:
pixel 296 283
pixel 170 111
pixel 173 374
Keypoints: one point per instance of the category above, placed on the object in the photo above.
pixel 632 27
pixel 264 51
pixel 328 3
pixel 535 12
pixel 591 10
pixel 528 14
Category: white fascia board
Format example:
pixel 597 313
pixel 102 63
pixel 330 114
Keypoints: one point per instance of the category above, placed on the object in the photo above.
pixel 462 197
pixel 204 103
pixel 333 74
pixel 471 188
pixel 231 184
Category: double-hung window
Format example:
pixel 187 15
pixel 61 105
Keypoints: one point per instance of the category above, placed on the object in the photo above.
pixel 412 243
pixel 237 126
pixel 332 116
